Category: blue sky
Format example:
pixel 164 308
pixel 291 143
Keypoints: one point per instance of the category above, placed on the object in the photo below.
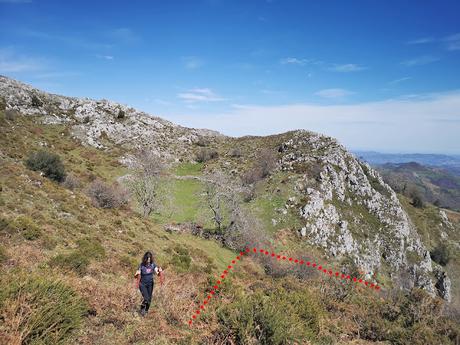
pixel 377 75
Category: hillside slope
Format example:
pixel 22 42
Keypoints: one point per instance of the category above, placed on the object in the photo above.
pixel 318 201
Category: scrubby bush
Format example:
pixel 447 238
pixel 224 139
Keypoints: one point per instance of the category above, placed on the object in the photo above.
pixel 265 164
pixel 129 262
pixel 79 259
pixel 415 318
pixel 440 254
pixel 36 102
pixel 202 141
pixel 121 114
pixel 38 310
pixel 48 163
pixel 107 196
pixel 205 154
pixel 71 182
pixel 75 261
pixel 417 199
pixel 251 176
pixel 26 227
pixel 235 152
pixel 274 317
pixel 91 248
pixel 181 259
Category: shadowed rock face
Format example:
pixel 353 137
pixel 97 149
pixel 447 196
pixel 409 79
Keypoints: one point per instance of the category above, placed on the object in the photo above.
pixel 345 206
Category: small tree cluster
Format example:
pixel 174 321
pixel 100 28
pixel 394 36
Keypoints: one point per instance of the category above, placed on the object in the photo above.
pixel 440 255
pixel 49 164
pixel 236 225
pixel 265 164
pixel 104 195
pixel 121 114
pixel 36 102
pixel 417 199
pixel 205 154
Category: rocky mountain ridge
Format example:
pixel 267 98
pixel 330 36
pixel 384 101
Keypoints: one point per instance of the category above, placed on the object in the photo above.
pixel 344 205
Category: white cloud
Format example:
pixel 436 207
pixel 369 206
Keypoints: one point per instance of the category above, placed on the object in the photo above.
pixel 192 62
pixel 105 57
pixel 200 95
pixel 333 93
pixel 453 42
pixel 349 67
pixel 400 80
pixel 427 123
pixel 293 61
pixel 419 61
pixel 11 62
pixel 422 40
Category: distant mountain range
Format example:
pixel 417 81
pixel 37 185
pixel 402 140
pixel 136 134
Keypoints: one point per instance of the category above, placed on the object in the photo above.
pixel 449 162
pixel 436 177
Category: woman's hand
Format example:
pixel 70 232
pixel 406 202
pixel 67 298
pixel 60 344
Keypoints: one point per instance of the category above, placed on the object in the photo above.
pixel 138 272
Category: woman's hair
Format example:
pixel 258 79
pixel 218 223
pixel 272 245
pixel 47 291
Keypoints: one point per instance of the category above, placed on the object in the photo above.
pixel 146 257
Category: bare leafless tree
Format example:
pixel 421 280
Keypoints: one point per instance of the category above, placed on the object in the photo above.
pixel 145 183
pixel 220 197
pixel 236 224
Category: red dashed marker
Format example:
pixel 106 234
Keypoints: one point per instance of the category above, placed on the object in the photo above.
pixel 308 263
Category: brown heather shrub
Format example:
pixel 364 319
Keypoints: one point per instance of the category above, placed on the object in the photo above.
pixel 205 154
pixel 71 182
pixel 107 196
pixel 38 310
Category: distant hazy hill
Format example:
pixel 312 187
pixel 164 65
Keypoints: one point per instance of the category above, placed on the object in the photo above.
pixel 436 185
pixel 448 162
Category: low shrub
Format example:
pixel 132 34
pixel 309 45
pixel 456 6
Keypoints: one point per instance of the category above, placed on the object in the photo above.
pixel 48 163
pixel 273 317
pixel 121 114
pixel 181 259
pixel 26 227
pixel 104 195
pixel 38 310
pixel 235 152
pixel 91 248
pixel 205 154
pixel 36 102
pixel 75 261
pixel 440 254
pixel 71 182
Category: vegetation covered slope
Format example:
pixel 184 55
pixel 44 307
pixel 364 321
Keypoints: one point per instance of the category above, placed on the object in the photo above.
pixel 54 238
pixel 435 185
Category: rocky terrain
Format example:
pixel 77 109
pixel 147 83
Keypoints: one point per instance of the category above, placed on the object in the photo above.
pixel 302 193
pixel 346 208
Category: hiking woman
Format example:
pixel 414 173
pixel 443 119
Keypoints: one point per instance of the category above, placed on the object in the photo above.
pixel 146 270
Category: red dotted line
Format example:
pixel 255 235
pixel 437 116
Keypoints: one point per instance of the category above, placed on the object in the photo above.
pixel 214 289
pixel 320 268
pixel 280 257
